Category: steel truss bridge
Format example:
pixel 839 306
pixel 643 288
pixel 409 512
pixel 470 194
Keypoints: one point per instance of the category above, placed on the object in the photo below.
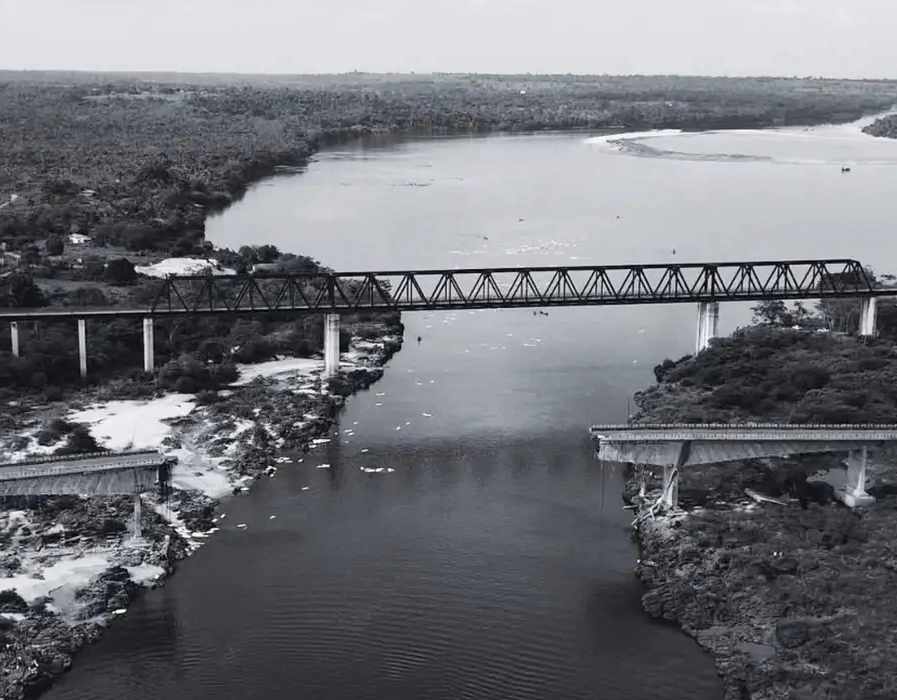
pixel 489 288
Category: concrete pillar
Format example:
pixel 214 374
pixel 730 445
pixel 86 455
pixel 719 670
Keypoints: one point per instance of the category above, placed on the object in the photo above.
pixel 671 495
pixel 138 511
pixel 853 493
pixel 708 324
pixel 148 349
pixel 14 336
pixel 82 346
pixel 331 344
pixel 867 316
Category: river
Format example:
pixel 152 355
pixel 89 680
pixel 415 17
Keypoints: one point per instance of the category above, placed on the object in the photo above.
pixel 495 561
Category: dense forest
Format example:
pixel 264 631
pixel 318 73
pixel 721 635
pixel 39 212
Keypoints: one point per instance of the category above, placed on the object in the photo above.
pixel 137 163
pixel 788 367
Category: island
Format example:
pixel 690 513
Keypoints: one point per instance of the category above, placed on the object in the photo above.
pixel 791 595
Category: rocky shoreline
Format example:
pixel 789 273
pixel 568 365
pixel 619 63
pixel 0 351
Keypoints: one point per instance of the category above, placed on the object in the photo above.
pixel 791 601
pixel 72 558
pixel 883 127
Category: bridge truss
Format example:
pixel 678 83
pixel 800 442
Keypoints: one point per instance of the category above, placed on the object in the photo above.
pixel 514 287
pixel 510 287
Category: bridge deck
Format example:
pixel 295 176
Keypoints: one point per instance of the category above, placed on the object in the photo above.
pixel 511 287
pixel 750 432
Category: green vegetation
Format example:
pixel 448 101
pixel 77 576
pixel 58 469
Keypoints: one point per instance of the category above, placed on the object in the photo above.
pixel 774 371
pixel 137 163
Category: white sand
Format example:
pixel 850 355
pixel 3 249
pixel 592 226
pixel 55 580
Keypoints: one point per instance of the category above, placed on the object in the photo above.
pixel 134 425
pixel 182 266
pixel 60 580
pixel 302 366
pixel 145 573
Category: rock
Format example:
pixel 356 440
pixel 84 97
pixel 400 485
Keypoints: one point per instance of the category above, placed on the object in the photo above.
pixel 792 633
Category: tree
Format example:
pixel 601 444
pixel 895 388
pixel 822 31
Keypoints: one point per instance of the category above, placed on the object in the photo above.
pixel 772 313
pixel 54 245
pixel 19 290
pixel 120 271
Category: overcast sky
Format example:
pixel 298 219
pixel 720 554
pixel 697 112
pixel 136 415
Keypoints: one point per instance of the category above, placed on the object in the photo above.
pixel 838 38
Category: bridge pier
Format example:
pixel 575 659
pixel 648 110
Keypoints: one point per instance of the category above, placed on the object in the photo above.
pixel 331 345
pixel 14 337
pixel 670 486
pixel 82 346
pixel 867 316
pixel 148 347
pixel 708 324
pixel 853 493
pixel 138 513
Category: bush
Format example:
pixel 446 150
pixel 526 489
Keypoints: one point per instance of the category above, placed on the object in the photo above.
pixel 54 245
pixel 120 272
pixel 12 602
pixel 207 398
pixel 79 441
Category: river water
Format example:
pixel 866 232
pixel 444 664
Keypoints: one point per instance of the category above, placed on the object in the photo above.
pixel 495 561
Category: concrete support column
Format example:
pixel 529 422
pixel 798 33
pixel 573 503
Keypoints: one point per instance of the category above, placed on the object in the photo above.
pixel 138 512
pixel 331 345
pixel 671 480
pixel 14 337
pixel 82 346
pixel 854 492
pixel 708 324
pixel 867 316
pixel 148 349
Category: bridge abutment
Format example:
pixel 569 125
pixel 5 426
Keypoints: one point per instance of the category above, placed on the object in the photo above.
pixel 14 337
pixel 708 324
pixel 853 493
pixel 82 346
pixel 867 316
pixel 331 345
pixel 148 345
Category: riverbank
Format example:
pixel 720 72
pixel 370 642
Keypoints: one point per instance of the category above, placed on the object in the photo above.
pixel 791 602
pixel 72 562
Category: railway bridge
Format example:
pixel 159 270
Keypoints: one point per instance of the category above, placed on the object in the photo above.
pixel 677 446
pixel 336 293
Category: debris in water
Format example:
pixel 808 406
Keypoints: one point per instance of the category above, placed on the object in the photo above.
pixel 323 466
pixel 305 488
pixel 427 415
pixel 271 517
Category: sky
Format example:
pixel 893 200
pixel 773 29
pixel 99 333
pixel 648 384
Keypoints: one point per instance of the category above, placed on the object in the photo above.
pixel 832 38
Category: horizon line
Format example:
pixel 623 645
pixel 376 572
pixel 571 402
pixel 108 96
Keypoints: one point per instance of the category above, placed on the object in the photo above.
pixel 145 71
